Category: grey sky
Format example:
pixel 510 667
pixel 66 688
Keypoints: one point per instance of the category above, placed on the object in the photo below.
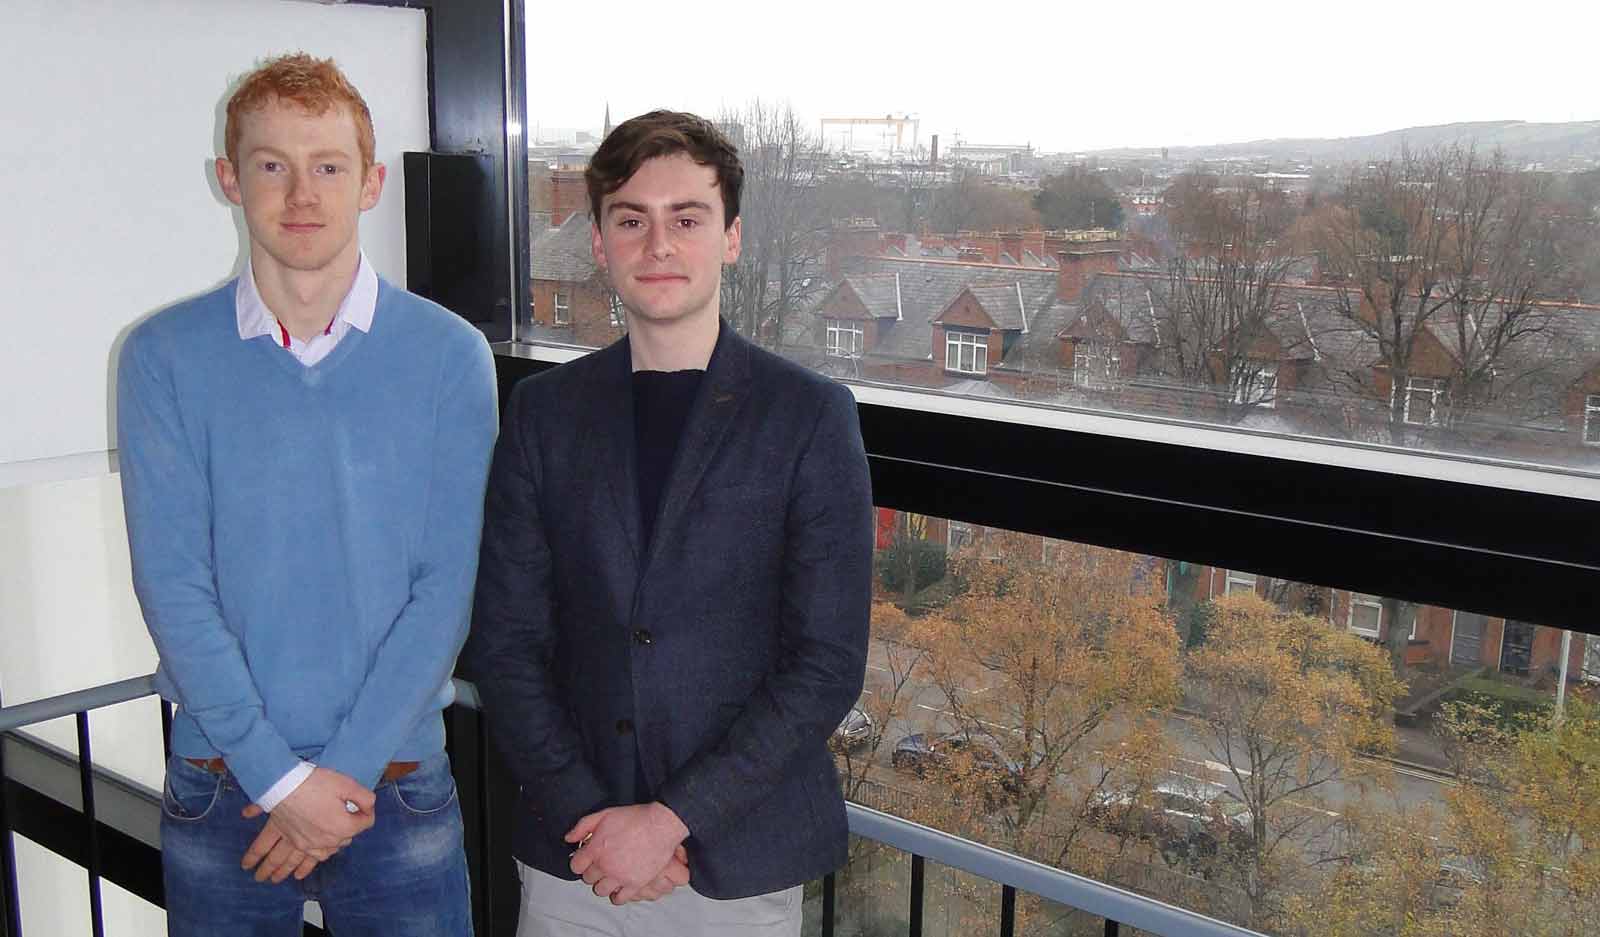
pixel 1068 76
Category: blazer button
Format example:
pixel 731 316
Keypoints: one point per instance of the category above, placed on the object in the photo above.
pixel 624 726
pixel 642 636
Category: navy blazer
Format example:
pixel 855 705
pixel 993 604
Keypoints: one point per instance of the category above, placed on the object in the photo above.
pixel 721 658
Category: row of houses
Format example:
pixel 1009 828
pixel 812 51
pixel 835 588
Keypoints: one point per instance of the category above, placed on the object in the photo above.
pixel 1090 320
pixel 1437 638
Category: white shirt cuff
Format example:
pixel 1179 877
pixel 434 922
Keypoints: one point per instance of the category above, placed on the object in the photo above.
pixel 286 785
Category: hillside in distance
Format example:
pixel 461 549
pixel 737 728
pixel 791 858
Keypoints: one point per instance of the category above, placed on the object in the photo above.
pixel 1573 144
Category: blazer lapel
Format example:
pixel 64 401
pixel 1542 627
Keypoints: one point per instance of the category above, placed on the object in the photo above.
pixel 723 393
pixel 614 464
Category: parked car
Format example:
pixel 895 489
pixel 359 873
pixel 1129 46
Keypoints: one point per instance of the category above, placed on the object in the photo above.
pixel 1185 818
pixel 1456 875
pixel 923 753
pixel 854 731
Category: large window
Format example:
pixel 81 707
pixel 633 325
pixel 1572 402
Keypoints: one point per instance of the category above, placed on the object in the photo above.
pixel 966 352
pixel 1189 284
pixel 1096 282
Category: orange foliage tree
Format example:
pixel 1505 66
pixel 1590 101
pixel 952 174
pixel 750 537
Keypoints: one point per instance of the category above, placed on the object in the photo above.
pixel 1052 663
pixel 1288 703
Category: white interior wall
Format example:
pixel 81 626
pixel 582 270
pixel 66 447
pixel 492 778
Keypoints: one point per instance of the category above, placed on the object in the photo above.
pixel 111 212
pixel 111 208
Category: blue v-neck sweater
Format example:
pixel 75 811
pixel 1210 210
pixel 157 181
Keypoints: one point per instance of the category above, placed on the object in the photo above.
pixel 304 540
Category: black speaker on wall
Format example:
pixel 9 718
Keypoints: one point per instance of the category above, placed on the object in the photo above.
pixel 450 247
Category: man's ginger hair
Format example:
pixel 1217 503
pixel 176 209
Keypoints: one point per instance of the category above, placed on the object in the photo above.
pixel 312 84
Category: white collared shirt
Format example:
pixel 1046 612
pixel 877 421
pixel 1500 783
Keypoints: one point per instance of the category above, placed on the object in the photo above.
pixel 356 311
pixel 255 320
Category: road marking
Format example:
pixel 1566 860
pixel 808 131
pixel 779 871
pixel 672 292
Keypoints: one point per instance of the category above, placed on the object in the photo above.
pixel 877 668
pixel 992 725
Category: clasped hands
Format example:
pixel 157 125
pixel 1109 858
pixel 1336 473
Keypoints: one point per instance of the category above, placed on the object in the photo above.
pixel 632 853
pixel 308 826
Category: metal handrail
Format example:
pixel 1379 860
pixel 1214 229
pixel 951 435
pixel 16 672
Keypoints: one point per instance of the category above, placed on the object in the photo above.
pixel 1004 868
pixel 67 704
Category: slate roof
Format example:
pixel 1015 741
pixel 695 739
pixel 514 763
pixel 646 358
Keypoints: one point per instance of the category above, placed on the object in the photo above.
pixel 563 253
pixel 1002 300
pixel 927 288
pixel 878 292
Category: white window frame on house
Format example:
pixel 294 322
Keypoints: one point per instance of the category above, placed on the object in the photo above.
pixel 618 317
pixel 973 345
pixel 1259 388
pixel 1365 601
pixel 563 308
pixel 1236 581
pixel 958 534
pixel 1434 387
pixel 1093 371
pixel 845 339
pixel 1591 420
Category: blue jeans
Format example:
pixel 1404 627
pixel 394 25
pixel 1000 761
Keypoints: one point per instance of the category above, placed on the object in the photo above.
pixel 404 877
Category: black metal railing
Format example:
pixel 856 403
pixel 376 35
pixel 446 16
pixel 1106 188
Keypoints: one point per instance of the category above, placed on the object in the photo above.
pixel 38 800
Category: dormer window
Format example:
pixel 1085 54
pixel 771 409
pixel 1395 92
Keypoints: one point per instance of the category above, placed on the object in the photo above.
pixel 966 352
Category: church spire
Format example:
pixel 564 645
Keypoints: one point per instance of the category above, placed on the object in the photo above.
pixel 607 131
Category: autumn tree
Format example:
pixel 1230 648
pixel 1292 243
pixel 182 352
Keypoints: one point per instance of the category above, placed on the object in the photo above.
pixel 1049 662
pixel 1513 847
pixel 1386 881
pixel 783 237
pixel 1532 839
pixel 1077 198
pixel 1288 704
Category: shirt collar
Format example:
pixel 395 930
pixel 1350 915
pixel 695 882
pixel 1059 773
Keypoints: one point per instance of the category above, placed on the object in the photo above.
pixel 357 308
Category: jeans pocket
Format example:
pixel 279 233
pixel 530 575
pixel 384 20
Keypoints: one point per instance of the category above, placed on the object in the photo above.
pixel 427 790
pixel 190 792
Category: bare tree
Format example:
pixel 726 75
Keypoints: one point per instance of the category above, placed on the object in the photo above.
pixel 1435 242
pixel 1224 296
pixel 779 270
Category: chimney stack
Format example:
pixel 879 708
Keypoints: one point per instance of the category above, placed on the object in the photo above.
pixel 1079 264
pixel 569 195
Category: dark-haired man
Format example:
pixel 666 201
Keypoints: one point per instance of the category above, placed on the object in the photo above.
pixel 674 587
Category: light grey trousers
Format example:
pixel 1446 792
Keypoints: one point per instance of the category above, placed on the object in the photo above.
pixel 552 907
